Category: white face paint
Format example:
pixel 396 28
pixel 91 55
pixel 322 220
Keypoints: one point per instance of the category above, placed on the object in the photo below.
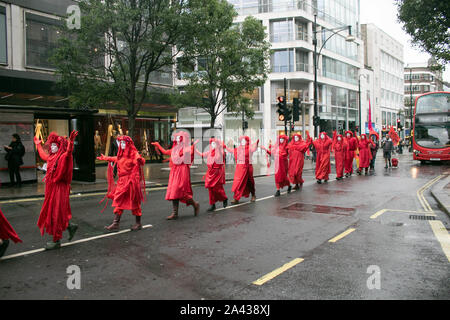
pixel 339 138
pixel 348 135
pixel 54 148
pixel 123 145
pixel 296 138
pixel 213 145
pixel 281 140
pixel 243 142
pixel 322 136
pixel 363 137
pixel 178 138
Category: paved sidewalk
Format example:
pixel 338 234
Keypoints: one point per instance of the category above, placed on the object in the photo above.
pixel 441 193
pixel 156 175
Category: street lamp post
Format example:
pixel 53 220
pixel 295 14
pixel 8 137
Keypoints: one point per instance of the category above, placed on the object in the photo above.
pixel 335 31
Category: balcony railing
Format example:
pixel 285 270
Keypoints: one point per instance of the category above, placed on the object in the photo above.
pixel 300 66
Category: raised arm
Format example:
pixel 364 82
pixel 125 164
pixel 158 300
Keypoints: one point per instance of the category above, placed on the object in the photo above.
pixel 161 149
pixel 201 154
pixel 254 146
pixel 42 153
pixel 105 158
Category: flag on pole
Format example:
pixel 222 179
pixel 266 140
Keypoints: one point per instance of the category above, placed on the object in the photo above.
pixel 371 129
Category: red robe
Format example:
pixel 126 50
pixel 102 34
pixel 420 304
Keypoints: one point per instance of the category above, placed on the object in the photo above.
pixel 55 213
pixel 6 231
pixel 323 165
pixel 181 155
pixel 352 144
pixel 280 153
pixel 128 193
pixel 243 184
pixel 340 150
pixel 297 151
pixel 364 152
pixel 215 175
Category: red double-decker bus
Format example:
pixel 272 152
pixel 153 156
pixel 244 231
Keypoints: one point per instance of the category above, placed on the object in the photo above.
pixel 431 127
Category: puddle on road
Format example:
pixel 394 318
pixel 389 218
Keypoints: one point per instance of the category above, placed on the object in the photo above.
pixel 294 210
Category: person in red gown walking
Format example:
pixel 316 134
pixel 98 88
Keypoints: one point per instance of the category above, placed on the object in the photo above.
pixel 215 175
pixel 365 155
pixel 340 148
pixel 6 233
pixel 243 184
pixel 55 216
pixel 352 145
pixel 297 148
pixel 280 153
pixel 179 187
pixel 323 165
pixel 129 191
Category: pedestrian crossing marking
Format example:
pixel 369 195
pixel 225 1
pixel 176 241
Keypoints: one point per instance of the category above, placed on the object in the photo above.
pixel 342 235
pixel 277 272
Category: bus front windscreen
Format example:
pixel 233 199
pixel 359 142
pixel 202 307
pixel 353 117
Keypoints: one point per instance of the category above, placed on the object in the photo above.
pixel 432 121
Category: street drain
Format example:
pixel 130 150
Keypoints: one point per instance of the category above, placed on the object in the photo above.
pixel 306 207
pixel 418 217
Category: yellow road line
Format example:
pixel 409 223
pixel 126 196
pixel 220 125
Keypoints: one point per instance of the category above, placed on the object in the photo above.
pixel 343 234
pixel 420 192
pixel 442 236
pixel 277 272
pixel 378 213
pixel 25 253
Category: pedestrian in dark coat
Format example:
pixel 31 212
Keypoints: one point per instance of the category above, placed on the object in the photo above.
pixel 14 154
pixel 373 150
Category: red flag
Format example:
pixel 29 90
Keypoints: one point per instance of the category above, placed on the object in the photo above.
pixel 394 136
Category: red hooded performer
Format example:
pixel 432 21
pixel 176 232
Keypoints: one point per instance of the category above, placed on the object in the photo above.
pixel 129 191
pixel 352 145
pixel 365 155
pixel 215 175
pixel 340 148
pixel 6 233
pixel 55 214
pixel 297 148
pixel 179 187
pixel 280 153
pixel 323 166
pixel 243 184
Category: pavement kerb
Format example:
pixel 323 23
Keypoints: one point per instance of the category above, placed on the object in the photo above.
pixel 194 183
pixel 435 192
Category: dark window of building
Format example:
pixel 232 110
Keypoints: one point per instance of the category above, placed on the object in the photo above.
pixel 3 51
pixel 42 35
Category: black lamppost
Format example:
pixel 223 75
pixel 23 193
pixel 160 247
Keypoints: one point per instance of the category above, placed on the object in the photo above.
pixel 334 31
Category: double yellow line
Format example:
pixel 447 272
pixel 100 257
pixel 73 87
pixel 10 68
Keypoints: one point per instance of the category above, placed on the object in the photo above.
pixel 426 206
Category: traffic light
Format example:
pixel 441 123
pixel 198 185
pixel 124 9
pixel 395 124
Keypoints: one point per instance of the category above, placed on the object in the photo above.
pixel 399 125
pixel 295 109
pixel 245 125
pixel 281 108
pixel 316 121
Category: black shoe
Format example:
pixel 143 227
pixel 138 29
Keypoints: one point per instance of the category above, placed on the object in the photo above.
pixel 289 189
pixel 277 194
pixel 53 245
pixel 225 203
pixel 3 247
pixel 319 181
pixel 212 208
pixel 72 228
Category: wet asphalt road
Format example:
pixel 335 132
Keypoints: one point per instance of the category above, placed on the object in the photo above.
pixel 219 255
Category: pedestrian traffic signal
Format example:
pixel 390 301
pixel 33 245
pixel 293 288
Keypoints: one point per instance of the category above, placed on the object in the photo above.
pixel 245 125
pixel 296 109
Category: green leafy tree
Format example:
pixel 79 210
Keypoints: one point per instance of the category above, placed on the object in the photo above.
pixel 231 59
pixel 428 24
pixel 121 43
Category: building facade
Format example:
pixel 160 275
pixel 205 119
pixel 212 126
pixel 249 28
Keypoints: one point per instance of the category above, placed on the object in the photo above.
pixel 384 56
pixel 419 78
pixel 289 27
pixel 28 34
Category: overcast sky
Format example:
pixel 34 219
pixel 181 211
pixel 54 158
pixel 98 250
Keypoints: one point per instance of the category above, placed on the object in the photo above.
pixel 383 13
